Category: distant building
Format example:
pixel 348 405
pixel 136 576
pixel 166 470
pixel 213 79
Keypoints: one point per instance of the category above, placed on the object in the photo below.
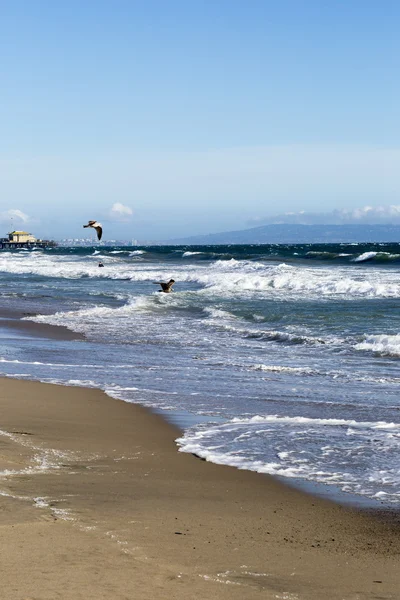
pixel 17 237
pixel 23 239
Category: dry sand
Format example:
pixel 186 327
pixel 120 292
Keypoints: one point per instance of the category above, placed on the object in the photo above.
pixel 99 504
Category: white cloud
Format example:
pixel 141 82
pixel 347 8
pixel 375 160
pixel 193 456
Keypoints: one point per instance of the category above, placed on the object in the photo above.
pixel 14 215
pixel 371 214
pixel 120 212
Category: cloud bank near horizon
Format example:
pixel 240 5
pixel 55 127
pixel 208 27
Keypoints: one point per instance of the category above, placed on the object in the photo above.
pixel 367 215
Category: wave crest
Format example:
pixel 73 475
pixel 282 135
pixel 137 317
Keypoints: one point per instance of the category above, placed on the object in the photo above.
pixel 386 345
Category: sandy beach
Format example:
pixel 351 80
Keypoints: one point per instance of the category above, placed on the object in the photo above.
pixel 96 502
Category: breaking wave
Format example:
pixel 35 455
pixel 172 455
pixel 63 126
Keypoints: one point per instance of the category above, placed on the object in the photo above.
pixel 224 277
pixel 386 345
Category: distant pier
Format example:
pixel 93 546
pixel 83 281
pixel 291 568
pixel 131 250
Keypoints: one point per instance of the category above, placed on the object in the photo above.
pixel 23 239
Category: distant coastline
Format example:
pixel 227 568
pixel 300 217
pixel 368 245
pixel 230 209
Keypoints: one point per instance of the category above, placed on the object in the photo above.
pixel 283 233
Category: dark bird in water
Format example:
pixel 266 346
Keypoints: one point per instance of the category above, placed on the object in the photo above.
pixel 97 226
pixel 165 287
pixel 101 265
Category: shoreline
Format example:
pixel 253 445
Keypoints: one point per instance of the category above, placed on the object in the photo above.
pixel 101 480
pixel 12 320
pixel 327 491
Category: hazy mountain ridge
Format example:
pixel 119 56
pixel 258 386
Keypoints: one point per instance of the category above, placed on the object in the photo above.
pixel 297 234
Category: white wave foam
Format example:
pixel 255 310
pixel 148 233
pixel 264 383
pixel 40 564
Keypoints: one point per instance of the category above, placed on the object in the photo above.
pixel 63 365
pixel 224 278
pixel 358 456
pixel 190 445
pixel 235 277
pixel 82 383
pixel 365 256
pixel 185 254
pixel 105 320
pixel 388 345
pixel 46 503
pixel 42 459
pixel 380 255
pixel 218 313
pixel 282 369
pixel 137 252
pixel 314 422
pixel 87 320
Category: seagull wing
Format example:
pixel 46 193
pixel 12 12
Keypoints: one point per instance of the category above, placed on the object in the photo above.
pixel 99 231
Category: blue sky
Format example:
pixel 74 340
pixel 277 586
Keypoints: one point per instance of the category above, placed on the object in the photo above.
pixel 198 116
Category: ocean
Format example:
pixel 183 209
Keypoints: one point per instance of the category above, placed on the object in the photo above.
pixel 281 359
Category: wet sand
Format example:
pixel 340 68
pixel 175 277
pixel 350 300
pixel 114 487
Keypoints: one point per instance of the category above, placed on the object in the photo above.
pixel 99 504
pixel 12 322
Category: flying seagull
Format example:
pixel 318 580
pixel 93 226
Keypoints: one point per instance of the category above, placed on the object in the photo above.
pixel 165 287
pixel 97 226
